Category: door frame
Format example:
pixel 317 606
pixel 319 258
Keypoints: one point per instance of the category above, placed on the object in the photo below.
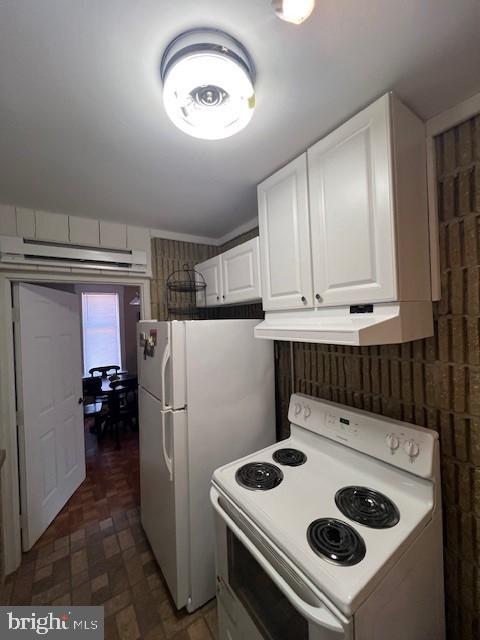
pixel 12 547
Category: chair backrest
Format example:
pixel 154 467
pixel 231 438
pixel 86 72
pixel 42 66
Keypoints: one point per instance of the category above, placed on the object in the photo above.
pixel 130 384
pixel 103 371
pixel 92 386
pixel 125 397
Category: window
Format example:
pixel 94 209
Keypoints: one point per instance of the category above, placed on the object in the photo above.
pixel 101 330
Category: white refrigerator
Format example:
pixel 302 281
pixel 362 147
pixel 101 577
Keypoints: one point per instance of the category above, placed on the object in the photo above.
pixel 206 397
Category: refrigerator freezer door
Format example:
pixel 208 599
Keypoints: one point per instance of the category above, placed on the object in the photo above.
pixel 163 487
pixel 231 413
pixel 161 361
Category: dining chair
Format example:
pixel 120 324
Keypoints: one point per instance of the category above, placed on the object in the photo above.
pixel 103 371
pixel 124 405
pixel 93 403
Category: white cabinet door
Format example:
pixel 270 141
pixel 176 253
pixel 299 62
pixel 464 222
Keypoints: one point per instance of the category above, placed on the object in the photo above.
pixel 352 211
pixel 212 273
pixel 241 273
pixel 84 231
pixel 8 220
pixel 285 254
pixel 113 235
pixel 51 227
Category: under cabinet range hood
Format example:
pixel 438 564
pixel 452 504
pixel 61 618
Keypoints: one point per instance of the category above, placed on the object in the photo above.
pixel 344 235
pixel 364 325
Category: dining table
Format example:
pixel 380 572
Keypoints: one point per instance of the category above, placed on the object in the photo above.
pixel 106 382
pixel 109 394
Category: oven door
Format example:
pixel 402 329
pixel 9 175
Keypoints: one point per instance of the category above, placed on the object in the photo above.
pixel 260 596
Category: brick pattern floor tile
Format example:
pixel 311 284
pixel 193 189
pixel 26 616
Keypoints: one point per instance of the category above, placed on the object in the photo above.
pixel 95 552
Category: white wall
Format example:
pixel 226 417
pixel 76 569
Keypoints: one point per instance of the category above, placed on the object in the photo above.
pixel 131 317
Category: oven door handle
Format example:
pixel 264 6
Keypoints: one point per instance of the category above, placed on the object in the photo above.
pixel 320 615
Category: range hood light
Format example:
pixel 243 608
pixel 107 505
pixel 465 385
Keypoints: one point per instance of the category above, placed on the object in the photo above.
pixel 295 11
pixel 208 81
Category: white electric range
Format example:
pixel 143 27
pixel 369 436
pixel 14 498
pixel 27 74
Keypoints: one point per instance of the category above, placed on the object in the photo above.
pixel 333 534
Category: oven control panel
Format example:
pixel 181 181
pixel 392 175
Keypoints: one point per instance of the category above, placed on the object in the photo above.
pixel 400 444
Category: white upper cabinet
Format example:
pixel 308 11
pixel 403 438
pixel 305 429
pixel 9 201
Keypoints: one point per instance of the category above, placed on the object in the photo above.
pixel 25 223
pixel 361 236
pixel 351 211
pixel 51 227
pixel 84 231
pixel 285 254
pixel 211 271
pixel 113 235
pixel 241 273
pixel 232 277
pixel 8 224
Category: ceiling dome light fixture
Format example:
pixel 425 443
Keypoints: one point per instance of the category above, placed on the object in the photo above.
pixel 296 11
pixel 208 83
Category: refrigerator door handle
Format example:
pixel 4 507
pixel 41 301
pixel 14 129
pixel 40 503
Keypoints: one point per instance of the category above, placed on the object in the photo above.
pixel 168 460
pixel 165 359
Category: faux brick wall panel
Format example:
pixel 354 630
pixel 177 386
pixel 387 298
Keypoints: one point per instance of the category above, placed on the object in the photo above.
pixel 168 256
pixel 433 383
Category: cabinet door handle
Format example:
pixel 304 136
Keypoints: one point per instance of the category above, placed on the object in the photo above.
pixel 218 297
pixel 304 299
pixel 318 296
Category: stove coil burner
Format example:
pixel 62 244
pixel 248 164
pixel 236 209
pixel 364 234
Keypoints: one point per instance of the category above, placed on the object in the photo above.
pixel 290 457
pixel 260 476
pixel 336 541
pixel 367 507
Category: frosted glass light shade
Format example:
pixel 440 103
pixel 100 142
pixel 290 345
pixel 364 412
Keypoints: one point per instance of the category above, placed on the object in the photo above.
pixel 209 96
pixel 295 11
pixel 208 91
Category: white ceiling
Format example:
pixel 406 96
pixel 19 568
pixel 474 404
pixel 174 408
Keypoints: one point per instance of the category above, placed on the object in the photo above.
pixel 83 131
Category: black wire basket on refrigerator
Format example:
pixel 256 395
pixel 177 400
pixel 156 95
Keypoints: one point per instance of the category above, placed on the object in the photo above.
pixel 186 293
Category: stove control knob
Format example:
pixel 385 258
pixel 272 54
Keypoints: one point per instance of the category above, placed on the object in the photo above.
pixel 298 408
pixel 307 412
pixel 392 442
pixel 411 449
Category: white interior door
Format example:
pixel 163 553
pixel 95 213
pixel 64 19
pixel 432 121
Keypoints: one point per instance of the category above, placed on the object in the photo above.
pixel 49 387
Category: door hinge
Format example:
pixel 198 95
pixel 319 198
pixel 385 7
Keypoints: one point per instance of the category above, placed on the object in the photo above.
pixel 15 314
pixel 19 418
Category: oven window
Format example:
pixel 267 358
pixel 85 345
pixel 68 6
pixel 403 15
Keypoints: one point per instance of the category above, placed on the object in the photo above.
pixel 272 613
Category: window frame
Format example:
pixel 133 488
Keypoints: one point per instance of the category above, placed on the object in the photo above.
pixel 102 291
